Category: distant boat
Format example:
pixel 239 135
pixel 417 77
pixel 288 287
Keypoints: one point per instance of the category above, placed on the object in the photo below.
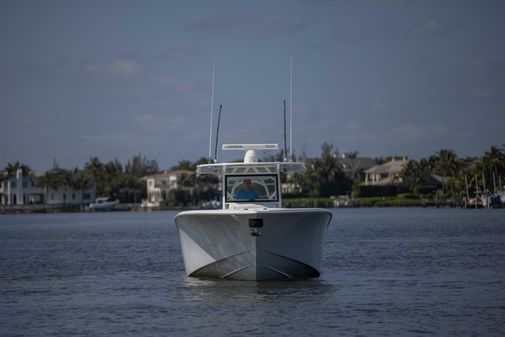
pixel 103 204
pixel 497 200
pixel 252 237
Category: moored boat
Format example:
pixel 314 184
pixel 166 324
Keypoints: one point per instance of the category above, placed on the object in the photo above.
pixel 103 204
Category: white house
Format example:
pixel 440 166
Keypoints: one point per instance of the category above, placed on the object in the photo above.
pixel 387 173
pixel 290 187
pixel 21 190
pixel 159 186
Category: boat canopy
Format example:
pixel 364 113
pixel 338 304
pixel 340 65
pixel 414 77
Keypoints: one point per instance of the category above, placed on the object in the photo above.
pixel 250 164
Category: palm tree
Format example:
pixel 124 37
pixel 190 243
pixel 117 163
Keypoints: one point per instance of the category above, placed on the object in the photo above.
pixel 54 179
pixel 492 164
pixel 98 173
pixel 183 165
pixel 494 159
pixel 412 174
pixel 140 166
pixel 81 180
pixel 447 165
pixel 11 170
pixel 353 157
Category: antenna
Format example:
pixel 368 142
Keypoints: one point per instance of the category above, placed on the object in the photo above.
pixel 217 132
pixel 211 107
pixel 285 149
pixel 291 113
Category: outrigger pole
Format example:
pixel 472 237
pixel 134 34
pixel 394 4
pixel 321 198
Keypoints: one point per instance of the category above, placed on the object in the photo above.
pixel 211 107
pixel 217 132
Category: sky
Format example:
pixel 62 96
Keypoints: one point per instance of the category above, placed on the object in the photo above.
pixel 117 78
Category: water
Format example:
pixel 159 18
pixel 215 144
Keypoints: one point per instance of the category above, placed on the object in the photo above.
pixel 387 272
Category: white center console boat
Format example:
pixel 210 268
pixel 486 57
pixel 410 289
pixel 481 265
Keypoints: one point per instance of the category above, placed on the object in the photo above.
pixel 252 237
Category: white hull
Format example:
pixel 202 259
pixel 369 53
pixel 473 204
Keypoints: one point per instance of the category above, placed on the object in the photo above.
pixel 221 243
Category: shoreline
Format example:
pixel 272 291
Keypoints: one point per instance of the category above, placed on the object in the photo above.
pixel 289 203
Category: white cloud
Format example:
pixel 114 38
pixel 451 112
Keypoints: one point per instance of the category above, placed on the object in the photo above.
pixel 118 67
pixel 174 84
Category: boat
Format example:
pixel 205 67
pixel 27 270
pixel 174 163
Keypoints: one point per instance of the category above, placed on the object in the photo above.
pixel 252 237
pixel 497 200
pixel 103 204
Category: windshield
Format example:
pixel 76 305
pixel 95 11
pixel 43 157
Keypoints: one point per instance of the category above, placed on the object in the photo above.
pixel 243 188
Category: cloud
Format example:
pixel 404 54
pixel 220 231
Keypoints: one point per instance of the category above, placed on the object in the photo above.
pixel 146 119
pixel 119 67
pixel 182 90
pixel 176 53
pixel 379 107
pixel 273 24
pixel 379 2
pixel 351 32
pixel 357 32
pixel 435 27
pixel 479 93
pixel 122 66
pixel 411 133
pixel 474 63
pixel 364 2
pixel 174 84
pixel 60 62
pixel 160 122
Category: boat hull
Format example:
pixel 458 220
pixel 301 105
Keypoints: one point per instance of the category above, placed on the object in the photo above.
pixel 263 244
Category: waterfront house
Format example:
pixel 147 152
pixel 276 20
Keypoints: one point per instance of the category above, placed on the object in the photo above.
pixel 160 185
pixel 23 190
pixel 290 187
pixel 387 173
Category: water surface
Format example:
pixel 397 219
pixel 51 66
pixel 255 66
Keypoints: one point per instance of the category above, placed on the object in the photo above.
pixel 386 272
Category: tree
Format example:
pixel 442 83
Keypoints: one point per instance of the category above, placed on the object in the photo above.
pixel 54 179
pixel 325 177
pixel 494 160
pixel 140 166
pixel 81 180
pixel 99 175
pixel 416 173
pixel 447 165
pixel 492 164
pixel 412 174
pixel 353 157
pixel 189 165
pixel 183 165
pixel 12 169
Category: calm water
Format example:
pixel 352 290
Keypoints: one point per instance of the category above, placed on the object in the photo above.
pixel 387 272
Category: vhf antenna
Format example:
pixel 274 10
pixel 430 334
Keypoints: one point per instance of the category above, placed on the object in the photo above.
pixel 285 144
pixel 217 132
pixel 291 113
